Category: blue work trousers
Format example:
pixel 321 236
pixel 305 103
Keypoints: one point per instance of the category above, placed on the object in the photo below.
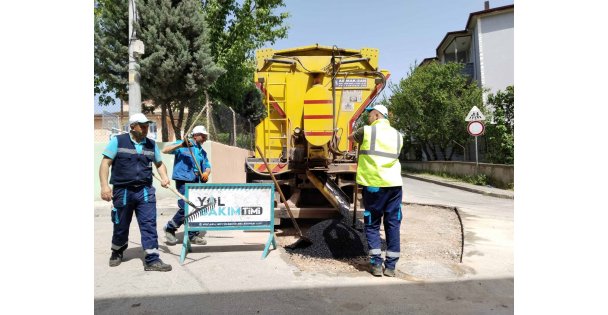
pixel 383 202
pixel 179 217
pixel 142 201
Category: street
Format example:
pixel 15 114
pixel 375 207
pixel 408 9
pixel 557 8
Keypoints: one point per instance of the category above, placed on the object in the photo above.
pixel 227 276
pixel 487 221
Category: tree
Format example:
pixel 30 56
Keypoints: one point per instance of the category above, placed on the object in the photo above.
pixel 177 68
pixel 236 31
pixel 500 136
pixel 430 106
pixel 111 50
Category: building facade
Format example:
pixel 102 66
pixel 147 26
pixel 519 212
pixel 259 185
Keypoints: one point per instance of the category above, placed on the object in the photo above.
pixel 485 46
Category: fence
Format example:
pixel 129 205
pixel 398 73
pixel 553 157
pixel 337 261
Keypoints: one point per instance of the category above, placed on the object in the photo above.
pixel 224 126
pixel 227 127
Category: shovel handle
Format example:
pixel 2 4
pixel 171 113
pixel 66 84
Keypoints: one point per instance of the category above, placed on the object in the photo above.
pixel 293 220
pixel 176 192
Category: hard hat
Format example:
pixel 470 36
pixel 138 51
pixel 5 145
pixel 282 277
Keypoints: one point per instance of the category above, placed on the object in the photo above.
pixel 381 108
pixel 199 129
pixel 138 118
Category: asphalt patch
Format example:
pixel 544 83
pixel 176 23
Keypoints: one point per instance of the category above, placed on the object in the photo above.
pixel 335 238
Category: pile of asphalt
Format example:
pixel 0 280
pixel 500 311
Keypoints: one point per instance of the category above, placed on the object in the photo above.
pixel 334 238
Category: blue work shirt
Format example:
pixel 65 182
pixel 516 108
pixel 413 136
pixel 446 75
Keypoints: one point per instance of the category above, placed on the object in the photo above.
pixel 112 149
pixel 183 165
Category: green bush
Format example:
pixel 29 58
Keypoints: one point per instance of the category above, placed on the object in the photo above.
pixel 479 179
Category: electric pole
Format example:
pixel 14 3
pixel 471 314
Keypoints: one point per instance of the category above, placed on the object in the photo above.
pixel 136 48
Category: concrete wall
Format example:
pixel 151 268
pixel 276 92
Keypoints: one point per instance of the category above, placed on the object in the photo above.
pixel 227 166
pixel 228 163
pixel 500 175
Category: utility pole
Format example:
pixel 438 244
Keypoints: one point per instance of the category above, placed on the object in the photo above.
pixel 136 48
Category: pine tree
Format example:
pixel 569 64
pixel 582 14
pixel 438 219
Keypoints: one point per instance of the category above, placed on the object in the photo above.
pixel 111 49
pixel 177 67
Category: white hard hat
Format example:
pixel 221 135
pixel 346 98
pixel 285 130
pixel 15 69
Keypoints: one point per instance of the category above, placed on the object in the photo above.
pixel 381 108
pixel 138 118
pixel 199 129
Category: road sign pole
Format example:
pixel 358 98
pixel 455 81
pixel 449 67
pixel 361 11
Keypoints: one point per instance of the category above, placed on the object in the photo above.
pixel 476 157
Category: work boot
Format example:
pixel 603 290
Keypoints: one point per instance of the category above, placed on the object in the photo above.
pixel 376 270
pixel 198 240
pixel 170 236
pixel 389 272
pixel 158 265
pixel 116 257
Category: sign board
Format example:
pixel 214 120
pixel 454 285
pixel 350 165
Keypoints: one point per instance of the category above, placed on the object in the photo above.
pixel 235 207
pixel 350 83
pixel 349 98
pixel 475 128
pixel 475 115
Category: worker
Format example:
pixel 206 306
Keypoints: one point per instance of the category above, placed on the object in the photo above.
pixel 379 175
pixel 185 171
pixel 131 156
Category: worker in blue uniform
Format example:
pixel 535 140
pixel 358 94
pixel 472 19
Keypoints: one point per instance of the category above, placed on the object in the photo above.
pixel 379 175
pixel 187 154
pixel 130 156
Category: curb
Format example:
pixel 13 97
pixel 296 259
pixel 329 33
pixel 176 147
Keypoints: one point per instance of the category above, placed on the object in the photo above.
pixel 478 191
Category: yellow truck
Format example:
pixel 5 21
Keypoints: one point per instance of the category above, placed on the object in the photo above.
pixel 313 96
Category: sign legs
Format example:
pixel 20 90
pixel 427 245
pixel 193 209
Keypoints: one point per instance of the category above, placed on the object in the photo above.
pixel 271 240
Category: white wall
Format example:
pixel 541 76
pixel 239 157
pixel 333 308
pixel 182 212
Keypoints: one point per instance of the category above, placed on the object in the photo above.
pixel 497 50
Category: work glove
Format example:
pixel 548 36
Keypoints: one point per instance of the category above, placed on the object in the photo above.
pixel 205 177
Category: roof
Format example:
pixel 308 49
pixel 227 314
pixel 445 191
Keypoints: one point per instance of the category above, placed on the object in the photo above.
pixel 449 36
pixel 468 25
pixel 427 61
pixel 488 12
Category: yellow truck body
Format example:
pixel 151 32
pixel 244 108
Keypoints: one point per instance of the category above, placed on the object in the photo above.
pixel 309 116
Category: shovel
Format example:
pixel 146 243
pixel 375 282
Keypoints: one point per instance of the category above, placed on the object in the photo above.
pixel 303 241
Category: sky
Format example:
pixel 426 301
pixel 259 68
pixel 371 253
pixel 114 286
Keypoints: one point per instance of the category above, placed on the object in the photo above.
pixel 405 32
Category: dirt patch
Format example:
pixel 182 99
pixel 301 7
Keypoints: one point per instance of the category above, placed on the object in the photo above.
pixel 430 244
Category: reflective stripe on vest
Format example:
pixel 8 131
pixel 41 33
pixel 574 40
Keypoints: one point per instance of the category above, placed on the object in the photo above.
pixel 378 163
pixel 372 147
pixel 134 151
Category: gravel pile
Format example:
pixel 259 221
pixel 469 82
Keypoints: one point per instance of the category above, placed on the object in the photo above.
pixel 335 238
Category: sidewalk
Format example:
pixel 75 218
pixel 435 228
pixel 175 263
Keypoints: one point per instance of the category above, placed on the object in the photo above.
pixel 484 190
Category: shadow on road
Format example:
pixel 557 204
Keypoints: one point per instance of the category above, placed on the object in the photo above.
pixel 493 296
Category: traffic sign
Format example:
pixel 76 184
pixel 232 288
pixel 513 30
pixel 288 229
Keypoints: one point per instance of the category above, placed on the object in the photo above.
pixel 475 115
pixel 475 128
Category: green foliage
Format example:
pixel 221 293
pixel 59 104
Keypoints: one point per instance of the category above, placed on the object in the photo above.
pixel 223 137
pixel 431 104
pixel 237 29
pixel 184 55
pixel 110 50
pixel 245 141
pixel 242 140
pixel 500 136
pixel 177 66
pixel 479 179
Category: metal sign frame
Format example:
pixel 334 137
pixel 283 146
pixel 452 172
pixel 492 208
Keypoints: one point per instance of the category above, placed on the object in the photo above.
pixel 483 128
pixel 238 225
